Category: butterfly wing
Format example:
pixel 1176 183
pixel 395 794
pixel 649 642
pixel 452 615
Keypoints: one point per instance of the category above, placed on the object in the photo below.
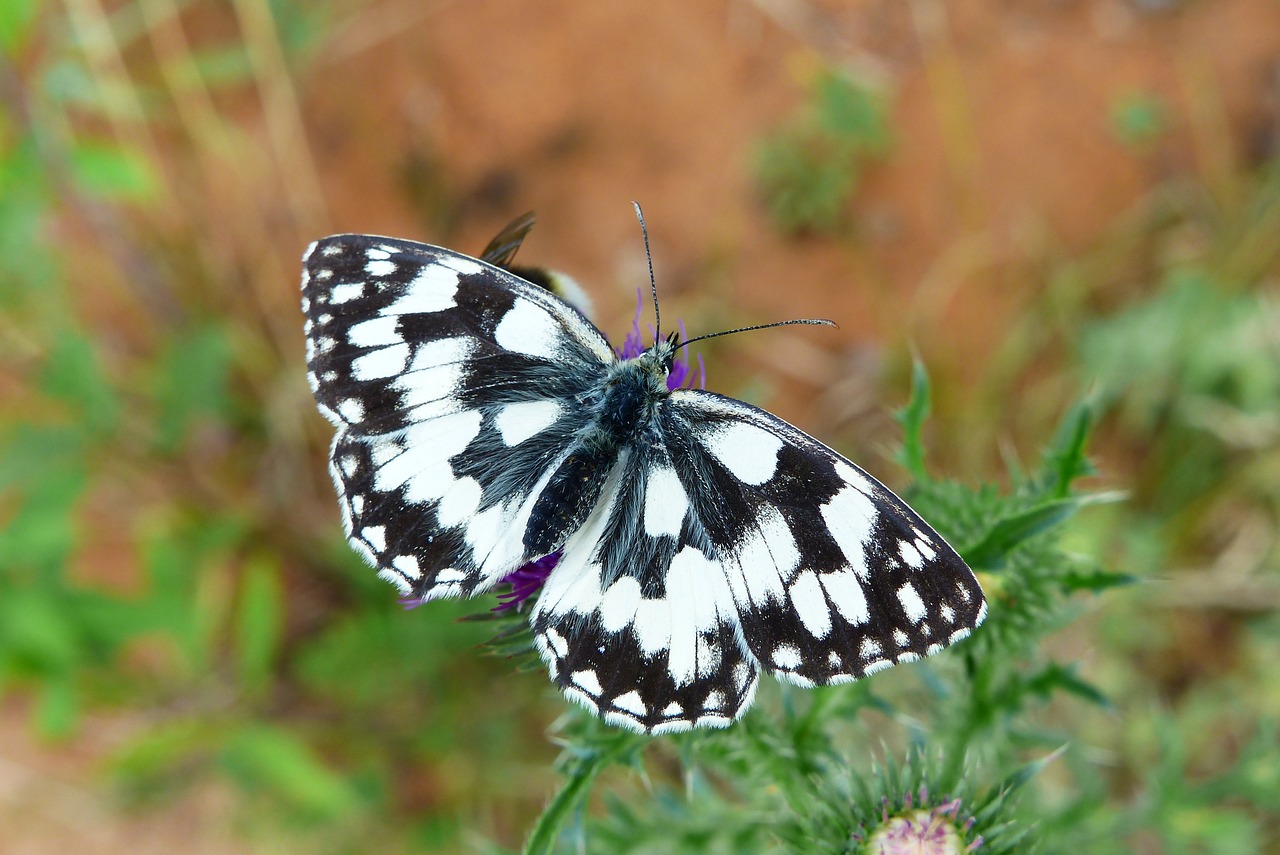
pixel 834 577
pixel 456 389
pixel 738 543
pixel 637 621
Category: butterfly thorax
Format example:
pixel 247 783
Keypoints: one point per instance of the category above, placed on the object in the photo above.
pixel 625 409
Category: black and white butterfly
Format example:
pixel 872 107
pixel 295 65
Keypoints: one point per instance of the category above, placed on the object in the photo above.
pixel 483 423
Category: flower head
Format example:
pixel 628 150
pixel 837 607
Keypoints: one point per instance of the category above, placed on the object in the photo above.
pixel 924 830
pixel 526 581
pixel 682 373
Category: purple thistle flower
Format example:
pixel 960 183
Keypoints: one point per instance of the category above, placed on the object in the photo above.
pixel 526 580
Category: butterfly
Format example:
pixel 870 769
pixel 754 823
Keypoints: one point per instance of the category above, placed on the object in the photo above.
pixel 484 423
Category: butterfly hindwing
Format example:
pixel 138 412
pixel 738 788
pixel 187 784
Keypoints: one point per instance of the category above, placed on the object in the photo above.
pixel 638 622
pixel 456 388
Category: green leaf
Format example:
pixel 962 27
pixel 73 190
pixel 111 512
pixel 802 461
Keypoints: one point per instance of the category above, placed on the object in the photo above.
pixel 16 17
pixel 581 773
pixel 851 110
pixel 112 171
pixel 992 551
pixel 57 708
pixel 40 536
pixel 912 418
pixel 1065 460
pixel 192 383
pixel 36 634
pixel 73 373
pixel 277 764
pixel 1097 581
pixel 258 624
pixel 1056 677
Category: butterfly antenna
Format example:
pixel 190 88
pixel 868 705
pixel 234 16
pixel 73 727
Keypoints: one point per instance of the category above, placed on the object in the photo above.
pixel 812 322
pixel 653 284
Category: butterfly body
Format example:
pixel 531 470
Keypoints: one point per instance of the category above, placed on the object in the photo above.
pixel 484 424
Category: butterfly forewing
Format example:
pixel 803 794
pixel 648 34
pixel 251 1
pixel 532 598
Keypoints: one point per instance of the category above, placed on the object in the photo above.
pixel 834 576
pixel 455 387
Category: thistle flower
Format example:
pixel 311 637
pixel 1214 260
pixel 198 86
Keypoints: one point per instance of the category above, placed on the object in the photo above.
pixel 926 830
pixel 526 580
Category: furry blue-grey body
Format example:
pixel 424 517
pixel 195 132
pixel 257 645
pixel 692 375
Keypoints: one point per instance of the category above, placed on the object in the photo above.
pixel 482 423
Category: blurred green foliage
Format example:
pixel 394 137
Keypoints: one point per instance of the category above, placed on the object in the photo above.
pixel 808 169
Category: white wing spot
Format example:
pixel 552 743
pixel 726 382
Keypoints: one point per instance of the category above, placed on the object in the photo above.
pixel 714 701
pixel 462 264
pixel 810 604
pixel 375 332
pixel 460 503
pixel 588 681
pixel 619 603
pixel 375 536
pixel 323 274
pixel 850 517
pixel 408 565
pixel 381 363
pixel 345 292
pixel 834 661
pixel 900 638
pixel 527 328
pixel 672 709
pixel 847 595
pixel 434 289
pixel 665 503
pixel 910 555
pixel 911 603
pixel 870 647
pixel 377 253
pixel 631 702
pixel 748 451
pixel 653 625
pixel 520 421
pixel 854 477
pixel 697 598
pixel 948 613
pixel 380 268
pixel 352 411
pixel 786 656
pixel 559 646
